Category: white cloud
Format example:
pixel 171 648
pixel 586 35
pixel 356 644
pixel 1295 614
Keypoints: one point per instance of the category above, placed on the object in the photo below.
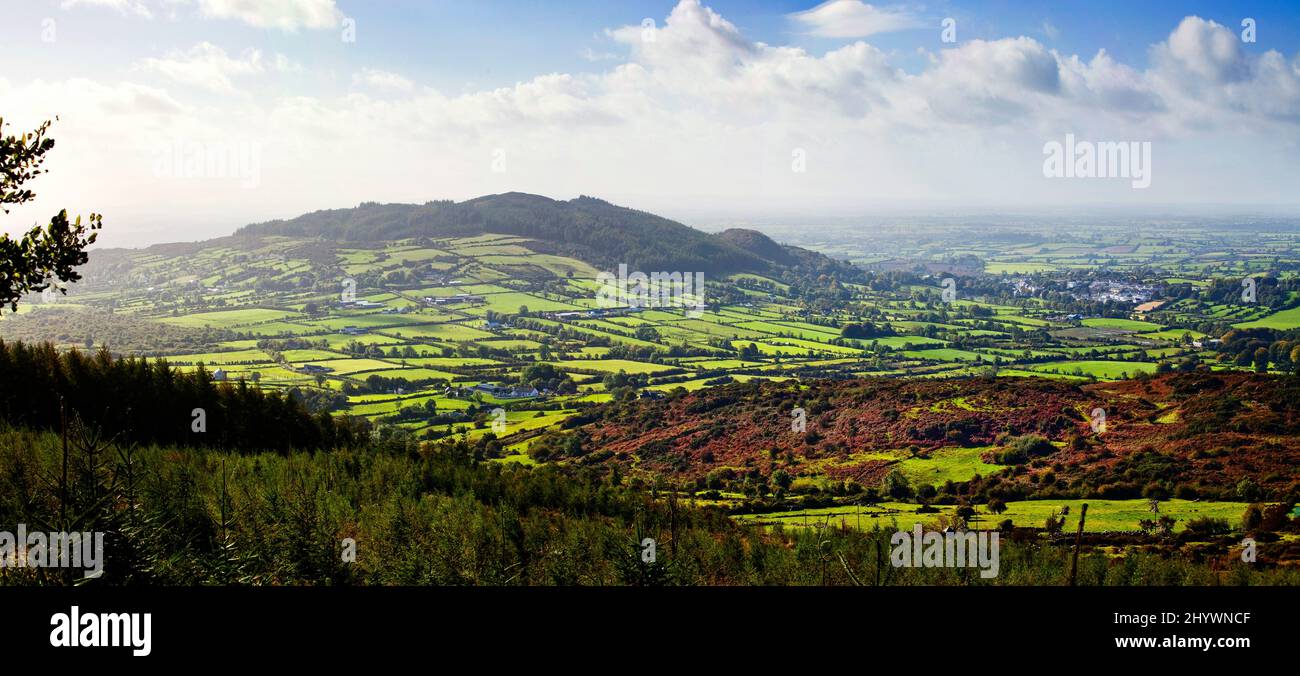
pixel 286 15
pixel 699 114
pixel 1111 85
pixel 102 138
pixel 1215 84
pixel 696 99
pixel 284 64
pixel 1204 50
pixel 208 66
pixel 853 19
pixel 693 36
pixel 592 55
pixel 122 6
pixel 383 80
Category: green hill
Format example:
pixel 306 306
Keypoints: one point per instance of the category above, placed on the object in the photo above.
pixel 586 228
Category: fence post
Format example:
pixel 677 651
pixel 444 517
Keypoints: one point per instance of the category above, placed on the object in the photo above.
pixel 1078 542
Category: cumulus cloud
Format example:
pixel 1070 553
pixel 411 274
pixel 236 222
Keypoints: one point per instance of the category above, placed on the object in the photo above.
pixel 695 99
pixel 853 19
pixel 699 55
pixel 989 82
pixel 693 111
pixel 207 66
pixel 104 134
pixel 383 80
pixel 286 15
pixel 592 55
pixel 1203 50
pixel 122 6
pixel 284 64
pixel 1215 83
pixel 693 36
pixel 1110 85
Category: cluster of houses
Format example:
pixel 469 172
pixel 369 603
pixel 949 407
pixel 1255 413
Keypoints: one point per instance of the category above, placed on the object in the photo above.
pixel 314 369
pixel 599 313
pixel 498 391
pixel 434 301
pixel 1116 291
pixel 1123 293
pixel 1102 290
pixel 1021 286
pixel 359 305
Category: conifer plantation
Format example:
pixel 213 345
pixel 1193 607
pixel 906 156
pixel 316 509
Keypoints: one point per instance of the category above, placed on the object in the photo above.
pixel 148 402
pixel 440 515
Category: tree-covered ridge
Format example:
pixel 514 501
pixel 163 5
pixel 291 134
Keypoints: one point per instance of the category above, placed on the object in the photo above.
pixel 586 228
pixel 149 402
pixel 758 244
pixel 124 332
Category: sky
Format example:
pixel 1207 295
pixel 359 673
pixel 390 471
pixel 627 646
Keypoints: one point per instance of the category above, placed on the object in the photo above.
pixel 181 120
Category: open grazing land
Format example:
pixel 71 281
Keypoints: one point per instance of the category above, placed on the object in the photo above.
pixel 992 380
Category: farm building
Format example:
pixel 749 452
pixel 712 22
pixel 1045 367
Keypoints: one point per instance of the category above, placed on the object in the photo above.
pixel 507 391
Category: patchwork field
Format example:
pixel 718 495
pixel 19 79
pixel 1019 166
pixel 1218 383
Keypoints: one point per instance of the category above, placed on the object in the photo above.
pixel 1103 515
pixel 499 342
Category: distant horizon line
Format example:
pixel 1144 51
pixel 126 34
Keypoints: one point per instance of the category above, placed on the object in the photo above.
pixel 700 217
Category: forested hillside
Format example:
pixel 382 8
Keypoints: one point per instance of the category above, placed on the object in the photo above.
pixel 146 401
pixel 586 228
pixel 442 517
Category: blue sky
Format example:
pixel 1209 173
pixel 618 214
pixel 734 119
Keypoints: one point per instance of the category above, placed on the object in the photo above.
pixel 744 107
pixel 492 43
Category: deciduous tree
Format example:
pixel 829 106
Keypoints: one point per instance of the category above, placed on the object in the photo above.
pixel 44 255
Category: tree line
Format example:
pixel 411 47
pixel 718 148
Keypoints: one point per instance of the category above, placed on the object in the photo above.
pixel 150 402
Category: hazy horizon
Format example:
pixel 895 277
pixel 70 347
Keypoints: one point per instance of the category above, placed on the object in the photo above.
pixel 775 221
